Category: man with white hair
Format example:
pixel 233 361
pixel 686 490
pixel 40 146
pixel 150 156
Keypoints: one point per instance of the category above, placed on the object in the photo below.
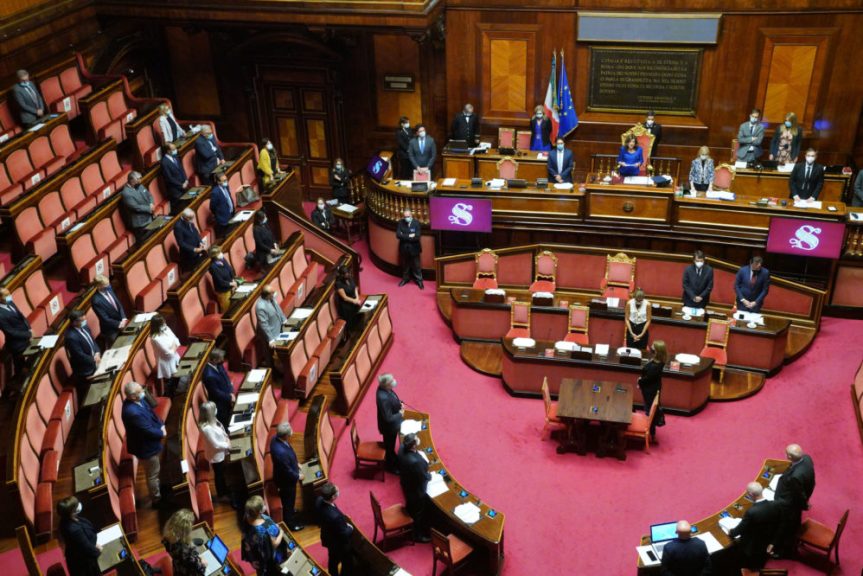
pixel 193 249
pixel 755 531
pixel 138 207
pixel 685 555
pixel 793 491
pixel 208 154
pixel 144 433
pixel 286 473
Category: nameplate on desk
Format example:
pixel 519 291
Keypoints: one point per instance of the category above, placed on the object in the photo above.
pixel 582 354
pixel 598 304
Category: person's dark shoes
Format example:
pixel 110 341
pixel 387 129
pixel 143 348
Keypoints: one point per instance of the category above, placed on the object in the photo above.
pixel 422 539
pixel 420 284
pixel 402 283
pixel 296 527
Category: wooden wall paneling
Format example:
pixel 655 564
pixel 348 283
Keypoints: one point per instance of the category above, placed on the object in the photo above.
pixel 195 86
pixel 397 54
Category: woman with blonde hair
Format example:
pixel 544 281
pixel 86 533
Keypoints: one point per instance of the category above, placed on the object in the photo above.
pixel 168 125
pixel 785 145
pixel 637 320
pixel 217 444
pixel 701 172
pixel 262 539
pixel 177 539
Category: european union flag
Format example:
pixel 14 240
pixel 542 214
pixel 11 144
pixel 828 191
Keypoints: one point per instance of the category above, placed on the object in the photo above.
pixel 567 115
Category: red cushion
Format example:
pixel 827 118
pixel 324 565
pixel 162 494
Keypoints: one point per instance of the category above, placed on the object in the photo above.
pixel 484 284
pixel 50 463
pixel 207 328
pixel 543 286
pixel 578 337
pixel 518 333
pixel 639 423
pixel 719 355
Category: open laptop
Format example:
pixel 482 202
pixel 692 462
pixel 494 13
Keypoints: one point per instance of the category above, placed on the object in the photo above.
pixel 662 534
pixel 214 555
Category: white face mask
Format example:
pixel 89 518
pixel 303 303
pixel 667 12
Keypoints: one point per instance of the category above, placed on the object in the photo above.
pixel 539 115
pixel 408 219
pixel 704 156
pixel 699 264
pixel 269 146
pixel 79 508
pixel 810 159
pixel 406 126
pixel 421 134
pixel 321 206
pixel 753 119
pixel 650 122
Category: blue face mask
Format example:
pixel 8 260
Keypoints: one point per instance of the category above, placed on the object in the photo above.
pixel 787 124
pixel 83 323
pixel 9 300
pixel 210 137
pixel 560 147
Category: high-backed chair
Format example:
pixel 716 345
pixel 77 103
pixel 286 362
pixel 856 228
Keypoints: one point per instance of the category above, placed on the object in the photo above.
pixel 545 272
pixel 821 538
pixel 552 422
pixel 486 269
pixel 506 138
pixel 369 454
pixel 639 428
pixel 723 177
pixel 507 168
pixel 579 319
pixel 449 549
pixel 522 140
pixel 645 141
pixel 519 320
pixel 393 521
pixel 619 281
pixel 716 344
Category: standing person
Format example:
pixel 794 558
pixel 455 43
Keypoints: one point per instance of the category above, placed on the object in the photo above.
pixel 267 249
pixel 322 217
pixel 268 163
pixel 144 433
pixel 422 151
pixel 637 318
pixel 208 154
pixel 219 388
pixel 793 491
pixel 391 413
pixel 465 126
pixel 83 352
pixel 286 473
pixel 17 332
pixel 752 536
pixel 653 128
pixel 137 205
pixel 630 159
pixel 221 205
pixel 192 247
pixel 702 171
pixel 177 540
pixel 857 200
pixel 751 285
pixel 685 555
pixel 560 163
pixel 168 125
pixel 785 145
pixel 79 539
pixel 348 300
pixel 697 282
pixel 414 477
pixel 749 138
pixel 404 134
pixel 335 532
pixel 409 232
pixel 339 179
pixel 262 539
pixel 540 131
pixel 165 345
pixel 223 277
pixel 270 316
pixel 650 383
pixel 216 445
pixel 807 178
pixel 31 105
pixel 109 310
pixel 174 176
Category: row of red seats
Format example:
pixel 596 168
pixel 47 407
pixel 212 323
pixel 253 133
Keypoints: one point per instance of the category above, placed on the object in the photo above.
pixel 63 89
pixel 24 168
pixel 9 126
pixel 109 115
pixel 35 298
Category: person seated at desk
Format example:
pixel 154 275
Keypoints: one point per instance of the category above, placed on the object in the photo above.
pixel 785 145
pixel 335 532
pixel 174 176
pixel 348 301
pixel 322 216
pixel 414 477
pixel 192 247
pixel 650 383
pixel 270 316
pixel 685 555
pixel 637 318
pixel 219 387
pixel 223 277
pixel 109 310
pixel 17 332
pixel 751 285
pixel 78 536
pixel 465 126
pixel 540 131
pixel 752 536
pixel 697 282
pixel 84 354
pixel 177 540
pixel 208 154
pixel 168 125
pixel 653 128
pixel 807 178
pixel 702 171
pixel 560 163
pixel 749 138
pixel 630 158
pixel 422 151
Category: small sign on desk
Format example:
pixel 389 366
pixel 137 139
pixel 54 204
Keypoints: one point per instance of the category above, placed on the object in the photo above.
pixel 311 471
pixel 87 475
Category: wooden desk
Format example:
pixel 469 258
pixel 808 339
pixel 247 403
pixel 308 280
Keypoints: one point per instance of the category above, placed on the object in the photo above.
pixel 581 402
pixel 464 166
pixel 368 558
pixel 736 509
pixel 203 532
pixel 486 535
pixel 513 205
pixel 773 183
pixel 351 220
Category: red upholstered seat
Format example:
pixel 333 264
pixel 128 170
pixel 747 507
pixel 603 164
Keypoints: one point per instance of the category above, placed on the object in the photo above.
pixel 112 172
pixel 484 284
pixel 74 199
pixel 38 239
pixel 719 355
pixel 43 157
pixel 21 169
pixel 62 144
pixel 578 338
pixel 543 286
pixel 104 126
pixel 517 333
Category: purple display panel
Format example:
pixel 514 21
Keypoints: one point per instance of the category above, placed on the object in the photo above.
pixel 461 214
pixel 805 237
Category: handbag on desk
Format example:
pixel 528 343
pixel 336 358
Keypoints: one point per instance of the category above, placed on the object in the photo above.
pixel 246 196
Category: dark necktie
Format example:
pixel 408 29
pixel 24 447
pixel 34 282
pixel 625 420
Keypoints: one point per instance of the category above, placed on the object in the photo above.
pixel 89 340
pixel 808 174
pixel 32 93
pixel 110 299
pixel 752 279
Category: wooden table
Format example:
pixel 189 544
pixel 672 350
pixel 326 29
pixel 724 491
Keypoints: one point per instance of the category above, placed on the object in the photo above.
pixel 463 165
pixel 773 183
pixel 581 402
pixel 349 220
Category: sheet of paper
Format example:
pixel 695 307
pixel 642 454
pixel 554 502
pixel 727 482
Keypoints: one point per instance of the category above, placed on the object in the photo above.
pixel 563 186
pixel 247 398
pixel 693 311
pixel 785 167
pixel 720 195
pixel 449 181
pixel 370 304
pixel 497 183
pixel 401 572
pixel 411 426
pixel 301 313
pixel 469 513
pixel 713 544
pixel 637 180
pixel 740 164
pixel 424 455
pixel 769 494
pixel 349 208
pixel 436 486
pixel 144 317
pixel 774 482
pixel 601 349
pixel 48 341
pixel 246 288
pixel 613 302
pixel 728 523
pixel 109 534
pixel 645 559
pixel 256 375
pixel 288 336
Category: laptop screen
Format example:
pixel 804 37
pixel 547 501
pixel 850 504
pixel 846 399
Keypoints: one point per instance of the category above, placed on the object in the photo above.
pixel 663 532
pixel 218 548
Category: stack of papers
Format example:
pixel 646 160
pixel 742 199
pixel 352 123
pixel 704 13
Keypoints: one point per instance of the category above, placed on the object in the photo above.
pixel 109 534
pixel 774 482
pixel 469 513
pixel 496 292
pixel 637 180
pixel 247 398
pixel 808 204
pixel 449 181
pixel 436 486
pixel 48 341
pixel 693 311
pixel 728 523
pixel 113 359
pixel 256 375
pixel 497 183
pixel 349 208
pixel 563 186
pixel 246 288
pixel 720 195
pixel 601 349
pixel 301 313
pixel 145 317
pixel 564 346
pixel 713 544
pixel 241 216
pixel 411 427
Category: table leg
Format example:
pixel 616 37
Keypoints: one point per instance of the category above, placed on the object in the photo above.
pixel 620 441
pixel 566 442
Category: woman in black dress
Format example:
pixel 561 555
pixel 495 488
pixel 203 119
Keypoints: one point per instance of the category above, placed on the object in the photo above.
pixel 339 177
pixel 79 539
pixel 177 538
pixel 650 382
pixel 347 297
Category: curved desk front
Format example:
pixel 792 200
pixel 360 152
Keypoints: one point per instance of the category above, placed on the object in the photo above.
pixel 761 348
pixel 736 509
pixel 684 391
pixel 485 535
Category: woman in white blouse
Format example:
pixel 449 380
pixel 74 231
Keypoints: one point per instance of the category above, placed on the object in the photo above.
pixel 216 445
pixel 638 318
pixel 165 345
pixel 168 125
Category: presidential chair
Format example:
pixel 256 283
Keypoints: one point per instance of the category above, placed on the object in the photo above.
pixel 818 537
pixel 579 318
pixel 393 521
pixel 506 139
pixel 639 428
pixel 449 549
pixel 522 141
pixel 507 168
pixel 519 320
pixel 645 142
pixel 368 455
pixel 545 272
pixel 486 270
pixel 552 422
pixel 716 344
pixel 619 281
pixel 723 177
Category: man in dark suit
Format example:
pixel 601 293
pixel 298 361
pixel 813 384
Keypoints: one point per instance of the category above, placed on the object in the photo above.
pixel 793 491
pixel 193 249
pixel 221 204
pixel 31 105
pixel 422 151
pixel 223 277
pixel 751 285
pixel 335 532
pixel 697 282
pixel 144 434
pixel 286 473
pixel 409 231
pixel 807 178
pixel 653 128
pixel 208 154
pixel 403 141
pixel 267 249
pixel 137 206
pixel 560 163
pixel 174 175
pixel 465 126
pixel 749 138
pixel 390 415
pixel 16 329
pixel 754 533
pixel 84 354
pixel 219 388
pixel 109 310
pixel 414 477
pixel 685 555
